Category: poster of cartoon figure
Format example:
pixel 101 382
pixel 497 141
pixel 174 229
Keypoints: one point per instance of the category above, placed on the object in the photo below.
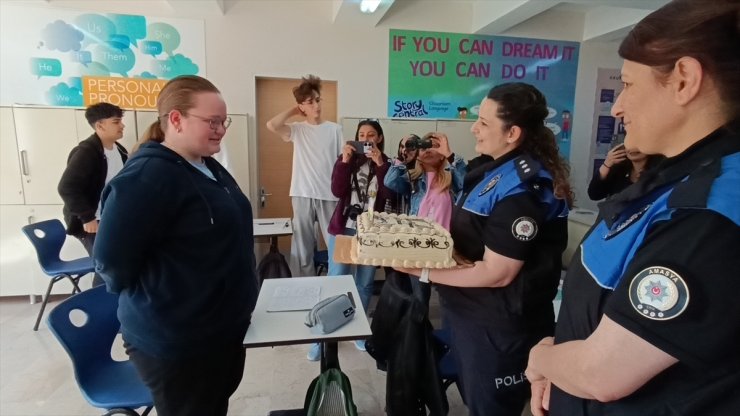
pixel 565 125
pixel 47 54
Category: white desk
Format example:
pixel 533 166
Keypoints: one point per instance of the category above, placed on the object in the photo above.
pixel 287 328
pixel 272 227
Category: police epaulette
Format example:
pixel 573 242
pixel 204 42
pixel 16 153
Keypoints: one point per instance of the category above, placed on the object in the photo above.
pixel 526 167
pixel 694 191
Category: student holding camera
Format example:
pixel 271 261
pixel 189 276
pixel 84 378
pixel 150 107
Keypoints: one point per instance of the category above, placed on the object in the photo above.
pixel 430 183
pixel 399 203
pixel 357 180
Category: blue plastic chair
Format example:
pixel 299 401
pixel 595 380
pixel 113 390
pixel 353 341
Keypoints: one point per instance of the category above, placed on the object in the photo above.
pixel 48 238
pixel 104 382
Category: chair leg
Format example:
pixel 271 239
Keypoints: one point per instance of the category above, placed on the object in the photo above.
pixel 121 411
pixel 75 282
pixel 147 410
pixel 46 299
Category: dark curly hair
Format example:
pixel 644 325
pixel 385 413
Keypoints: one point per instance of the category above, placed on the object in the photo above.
pixel 524 106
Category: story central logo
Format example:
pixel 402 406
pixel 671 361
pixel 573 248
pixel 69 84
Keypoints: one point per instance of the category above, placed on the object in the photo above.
pixel 409 109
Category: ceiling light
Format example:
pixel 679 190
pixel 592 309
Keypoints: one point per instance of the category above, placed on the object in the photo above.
pixel 369 6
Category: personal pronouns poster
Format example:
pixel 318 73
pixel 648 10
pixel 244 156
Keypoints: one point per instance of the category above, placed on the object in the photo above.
pixel 56 57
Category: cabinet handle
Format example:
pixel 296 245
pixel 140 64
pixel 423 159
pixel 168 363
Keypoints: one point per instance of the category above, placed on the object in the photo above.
pixel 24 162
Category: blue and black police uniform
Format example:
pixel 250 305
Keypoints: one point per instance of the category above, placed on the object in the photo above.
pixel 663 262
pixel 508 206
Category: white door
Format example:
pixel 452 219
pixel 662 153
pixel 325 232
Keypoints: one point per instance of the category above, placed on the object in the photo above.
pixel 11 186
pixel 45 137
pixel 84 130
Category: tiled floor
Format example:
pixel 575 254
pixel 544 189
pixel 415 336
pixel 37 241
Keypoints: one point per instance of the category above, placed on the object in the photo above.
pixel 36 375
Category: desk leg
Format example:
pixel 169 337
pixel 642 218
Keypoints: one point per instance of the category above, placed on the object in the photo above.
pixel 329 355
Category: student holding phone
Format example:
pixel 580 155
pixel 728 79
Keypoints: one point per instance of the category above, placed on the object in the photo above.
pixel 620 169
pixel 357 180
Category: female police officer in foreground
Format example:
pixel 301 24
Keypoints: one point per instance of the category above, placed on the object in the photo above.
pixel 650 322
pixel 511 221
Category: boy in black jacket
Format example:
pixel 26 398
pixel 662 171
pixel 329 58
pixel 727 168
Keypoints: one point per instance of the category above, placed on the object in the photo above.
pixel 90 166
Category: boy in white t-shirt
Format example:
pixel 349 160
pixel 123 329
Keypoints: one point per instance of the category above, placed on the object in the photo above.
pixel 316 145
pixel 90 166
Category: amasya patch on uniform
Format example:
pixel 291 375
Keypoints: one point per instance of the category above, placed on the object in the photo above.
pixel 490 184
pixel 658 293
pixel 524 228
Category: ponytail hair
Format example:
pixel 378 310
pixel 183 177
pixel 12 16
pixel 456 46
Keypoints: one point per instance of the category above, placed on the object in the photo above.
pixel 523 105
pixel 153 133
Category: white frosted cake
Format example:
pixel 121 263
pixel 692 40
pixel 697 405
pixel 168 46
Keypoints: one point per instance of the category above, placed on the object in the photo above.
pixel 401 241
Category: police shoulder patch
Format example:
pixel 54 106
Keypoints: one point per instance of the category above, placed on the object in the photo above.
pixel 524 228
pixel 658 293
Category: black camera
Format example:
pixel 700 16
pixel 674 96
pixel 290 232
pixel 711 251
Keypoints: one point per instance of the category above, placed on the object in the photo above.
pixel 352 211
pixel 417 143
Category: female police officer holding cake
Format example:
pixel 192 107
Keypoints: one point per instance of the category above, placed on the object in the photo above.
pixel 511 223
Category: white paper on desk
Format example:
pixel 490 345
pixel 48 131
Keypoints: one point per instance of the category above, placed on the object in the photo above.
pixel 294 298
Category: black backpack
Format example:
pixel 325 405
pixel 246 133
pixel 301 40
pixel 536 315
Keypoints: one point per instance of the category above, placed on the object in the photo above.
pixel 272 266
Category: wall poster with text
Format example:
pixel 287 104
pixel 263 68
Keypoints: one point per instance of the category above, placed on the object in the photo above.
pixel 446 75
pixel 71 58
pixel 607 131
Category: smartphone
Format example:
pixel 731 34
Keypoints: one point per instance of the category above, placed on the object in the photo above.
pixel 361 147
pixel 618 140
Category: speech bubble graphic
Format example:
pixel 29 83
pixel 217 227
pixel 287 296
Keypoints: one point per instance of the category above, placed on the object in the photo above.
pixel 117 61
pixel 119 42
pixel 45 67
pixel 83 57
pixel 64 95
pixel 94 69
pixel 166 34
pixel 146 75
pixel 75 82
pixel 95 27
pixel 133 26
pixel 554 127
pixel 174 66
pixel 61 36
pixel 151 47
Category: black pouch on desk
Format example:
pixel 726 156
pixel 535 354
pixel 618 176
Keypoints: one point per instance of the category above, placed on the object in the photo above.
pixel 330 394
pixel 273 266
pixel 330 314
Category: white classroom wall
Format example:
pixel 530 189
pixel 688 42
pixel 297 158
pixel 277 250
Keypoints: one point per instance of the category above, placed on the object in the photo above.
pixel 278 38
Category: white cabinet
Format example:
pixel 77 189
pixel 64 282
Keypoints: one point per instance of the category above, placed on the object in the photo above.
pixel 20 273
pixel 11 187
pixel 45 137
pixel 17 256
